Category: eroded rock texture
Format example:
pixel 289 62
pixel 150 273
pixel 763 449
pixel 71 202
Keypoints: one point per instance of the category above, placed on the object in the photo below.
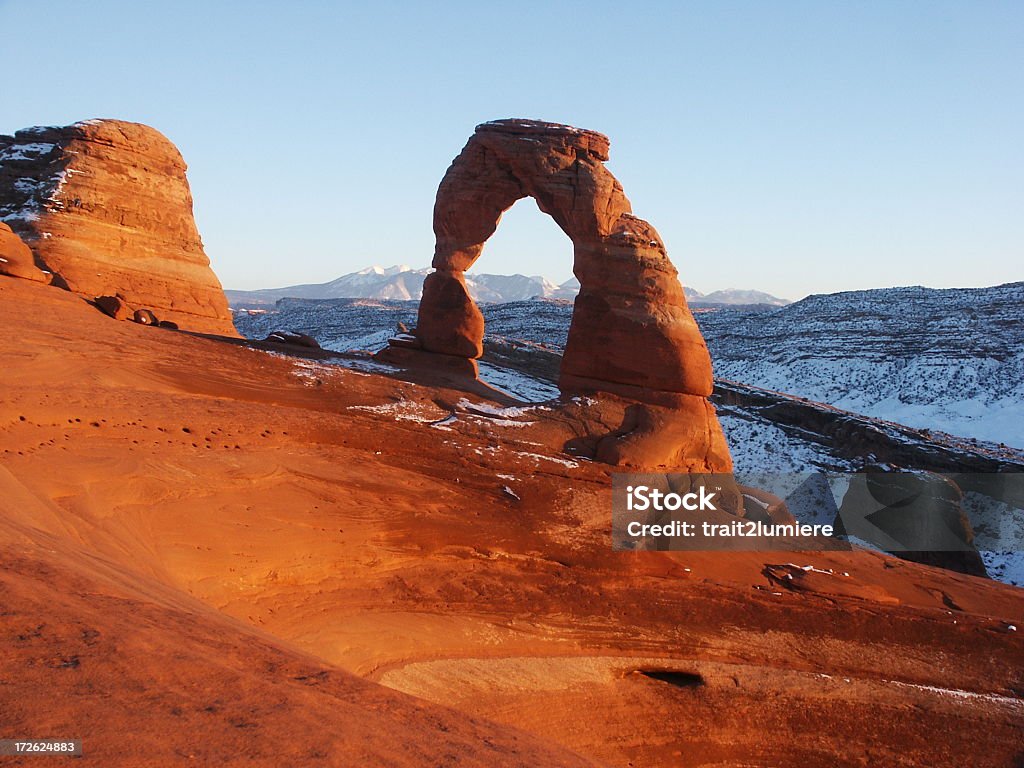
pixel 106 207
pixel 632 334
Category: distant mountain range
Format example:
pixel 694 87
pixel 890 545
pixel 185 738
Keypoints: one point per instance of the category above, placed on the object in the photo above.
pixel 403 283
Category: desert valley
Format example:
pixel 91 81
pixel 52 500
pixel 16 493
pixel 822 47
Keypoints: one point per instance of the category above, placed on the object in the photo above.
pixel 301 528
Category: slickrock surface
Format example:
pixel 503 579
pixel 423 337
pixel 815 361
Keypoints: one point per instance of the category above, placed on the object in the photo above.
pixel 201 544
pixel 632 333
pixel 106 207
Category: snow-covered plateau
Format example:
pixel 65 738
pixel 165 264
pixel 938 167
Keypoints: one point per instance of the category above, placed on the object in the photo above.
pixel 950 360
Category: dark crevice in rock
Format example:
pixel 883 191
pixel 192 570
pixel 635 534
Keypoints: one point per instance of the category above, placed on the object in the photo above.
pixel 674 677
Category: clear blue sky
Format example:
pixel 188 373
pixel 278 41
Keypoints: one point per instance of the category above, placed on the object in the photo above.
pixel 794 147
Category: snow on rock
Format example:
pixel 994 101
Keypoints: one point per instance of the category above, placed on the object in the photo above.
pixel 399 411
pixel 538 457
pixel 517 384
pixel 759 445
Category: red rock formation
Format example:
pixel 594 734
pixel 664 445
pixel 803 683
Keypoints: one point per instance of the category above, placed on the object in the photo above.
pixel 145 317
pixel 105 206
pixel 169 594
pixel 16 258
pixel 632 333
pixel 112 306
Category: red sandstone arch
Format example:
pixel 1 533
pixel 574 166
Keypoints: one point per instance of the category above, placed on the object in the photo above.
pixel 632 342
pixel 631 330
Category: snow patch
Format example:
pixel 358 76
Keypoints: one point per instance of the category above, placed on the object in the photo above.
pixel 400 411
pixel 539 457
pixel 519 385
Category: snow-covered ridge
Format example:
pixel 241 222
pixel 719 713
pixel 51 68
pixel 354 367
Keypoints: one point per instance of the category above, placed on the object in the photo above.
pixel 403 283
pixel 36 171
pixel 940 359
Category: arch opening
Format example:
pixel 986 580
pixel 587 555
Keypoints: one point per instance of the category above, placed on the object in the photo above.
pixel 528 242
pixel 526 314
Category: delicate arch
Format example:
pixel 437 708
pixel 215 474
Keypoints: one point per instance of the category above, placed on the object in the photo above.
pixel 631 330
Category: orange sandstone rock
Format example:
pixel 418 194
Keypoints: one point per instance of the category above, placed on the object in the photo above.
pixel 106 207
pixel 145 317
pixel 16 258
pixel 632 333
pixel 631 324
pixel 113 306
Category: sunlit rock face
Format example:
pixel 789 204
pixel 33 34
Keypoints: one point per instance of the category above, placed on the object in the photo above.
pixel 16 259
pixel 632 335
pixel 105 206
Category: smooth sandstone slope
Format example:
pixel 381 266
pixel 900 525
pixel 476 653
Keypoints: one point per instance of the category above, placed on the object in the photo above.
pixel 244 530
pixel 100 642
pixel 144 675
pixel 105 205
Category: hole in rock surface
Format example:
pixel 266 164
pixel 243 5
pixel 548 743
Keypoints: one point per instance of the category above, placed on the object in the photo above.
pixel 524 339
pixel 527 242
pixel 674 677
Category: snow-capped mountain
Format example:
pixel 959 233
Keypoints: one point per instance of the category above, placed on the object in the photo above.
pixel 403 283
pixel 503 288
pixel 400 282
pixel 735 297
